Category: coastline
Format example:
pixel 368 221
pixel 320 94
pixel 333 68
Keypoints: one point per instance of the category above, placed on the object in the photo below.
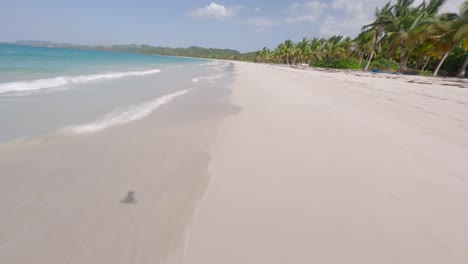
pixel 284 165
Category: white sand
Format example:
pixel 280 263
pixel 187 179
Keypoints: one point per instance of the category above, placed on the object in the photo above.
pixel 337 168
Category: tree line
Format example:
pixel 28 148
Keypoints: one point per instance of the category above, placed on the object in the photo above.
pixel 404 37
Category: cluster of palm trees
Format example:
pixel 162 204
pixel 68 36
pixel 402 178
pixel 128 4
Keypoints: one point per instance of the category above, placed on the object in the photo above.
pixel 308 51
pixel 412 35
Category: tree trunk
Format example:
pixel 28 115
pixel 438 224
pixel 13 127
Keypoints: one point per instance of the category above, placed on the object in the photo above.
pixel 443 59
pixel 462 71
pixel 425 64
pixel 403 61
pixel 440 63
pixel 404 57
pixel 361 56
pixel 369 61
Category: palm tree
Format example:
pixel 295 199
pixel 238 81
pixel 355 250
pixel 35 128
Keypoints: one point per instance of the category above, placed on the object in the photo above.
pixel 376 29
pixel 461 26
pixel 444 39
pixel 407 25
pixel 303 50
pixel 346 45
pixel 289 51
pixel 423 54
pixel 316 50
pixel 279 53
pixel 265 55
pixel 452 29
pixel 332 48
pixel 363 45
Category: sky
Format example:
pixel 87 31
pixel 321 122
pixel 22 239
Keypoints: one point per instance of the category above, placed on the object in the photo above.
pixel 235 24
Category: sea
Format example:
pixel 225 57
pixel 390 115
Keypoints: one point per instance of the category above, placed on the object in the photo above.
pixel 43 90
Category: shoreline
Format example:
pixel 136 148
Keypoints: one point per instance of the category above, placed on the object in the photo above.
pixel 125 194
pixel 282 165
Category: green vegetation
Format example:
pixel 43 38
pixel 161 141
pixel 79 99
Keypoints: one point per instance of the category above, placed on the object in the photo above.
pixel 404 37
pixel 339 64
pixel 196 52
pixel 384 64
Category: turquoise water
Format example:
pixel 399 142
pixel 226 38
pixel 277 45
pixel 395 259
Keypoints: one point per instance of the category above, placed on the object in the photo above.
pixel 30 63
pixel 47 89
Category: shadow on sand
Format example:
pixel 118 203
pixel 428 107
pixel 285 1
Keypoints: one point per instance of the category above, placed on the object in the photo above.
pixel 130 198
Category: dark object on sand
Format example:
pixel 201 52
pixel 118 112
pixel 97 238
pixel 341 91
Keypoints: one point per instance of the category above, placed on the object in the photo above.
pixel 384 71
pixel 410 72
pixel 130 198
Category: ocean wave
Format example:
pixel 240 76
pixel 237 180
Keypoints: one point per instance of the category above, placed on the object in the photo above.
pixel 210 63
pixel 40 84
pixel 211 79
pixel 126 115
pixel 222 67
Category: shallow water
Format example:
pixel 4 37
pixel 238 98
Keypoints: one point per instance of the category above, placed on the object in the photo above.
pixel 45 89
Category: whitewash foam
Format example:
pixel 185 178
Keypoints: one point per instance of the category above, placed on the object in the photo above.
pixel 40 84
pixel 126 115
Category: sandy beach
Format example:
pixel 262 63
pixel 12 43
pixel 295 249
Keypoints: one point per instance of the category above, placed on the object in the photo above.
pixel 284 166
pixel 330 167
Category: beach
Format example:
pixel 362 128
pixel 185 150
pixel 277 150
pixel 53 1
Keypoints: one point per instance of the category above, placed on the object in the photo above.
pixel 330 167
pixel 282 165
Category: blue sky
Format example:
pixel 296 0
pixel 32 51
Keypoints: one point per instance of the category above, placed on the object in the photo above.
pixel 236 24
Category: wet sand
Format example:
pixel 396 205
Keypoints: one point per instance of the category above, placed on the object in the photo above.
pixel 123 195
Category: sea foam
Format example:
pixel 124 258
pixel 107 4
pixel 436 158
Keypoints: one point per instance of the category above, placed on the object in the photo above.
pixel 39 84
pixel 127 114
pixel 211 79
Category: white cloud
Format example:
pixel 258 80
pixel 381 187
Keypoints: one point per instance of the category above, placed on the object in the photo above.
pixel 357 8
pixel 356 13
pixel 298 12
pixel 305 12
pixel 315 4
pixel 257 9
pixel 294 7
pixel 452 6
pixel 340 26
pixel 261 22
pixel 216 11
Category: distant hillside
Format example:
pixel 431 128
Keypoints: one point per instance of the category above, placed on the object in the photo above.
pixel 197 52
pixel 188 52
pixel 35 43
